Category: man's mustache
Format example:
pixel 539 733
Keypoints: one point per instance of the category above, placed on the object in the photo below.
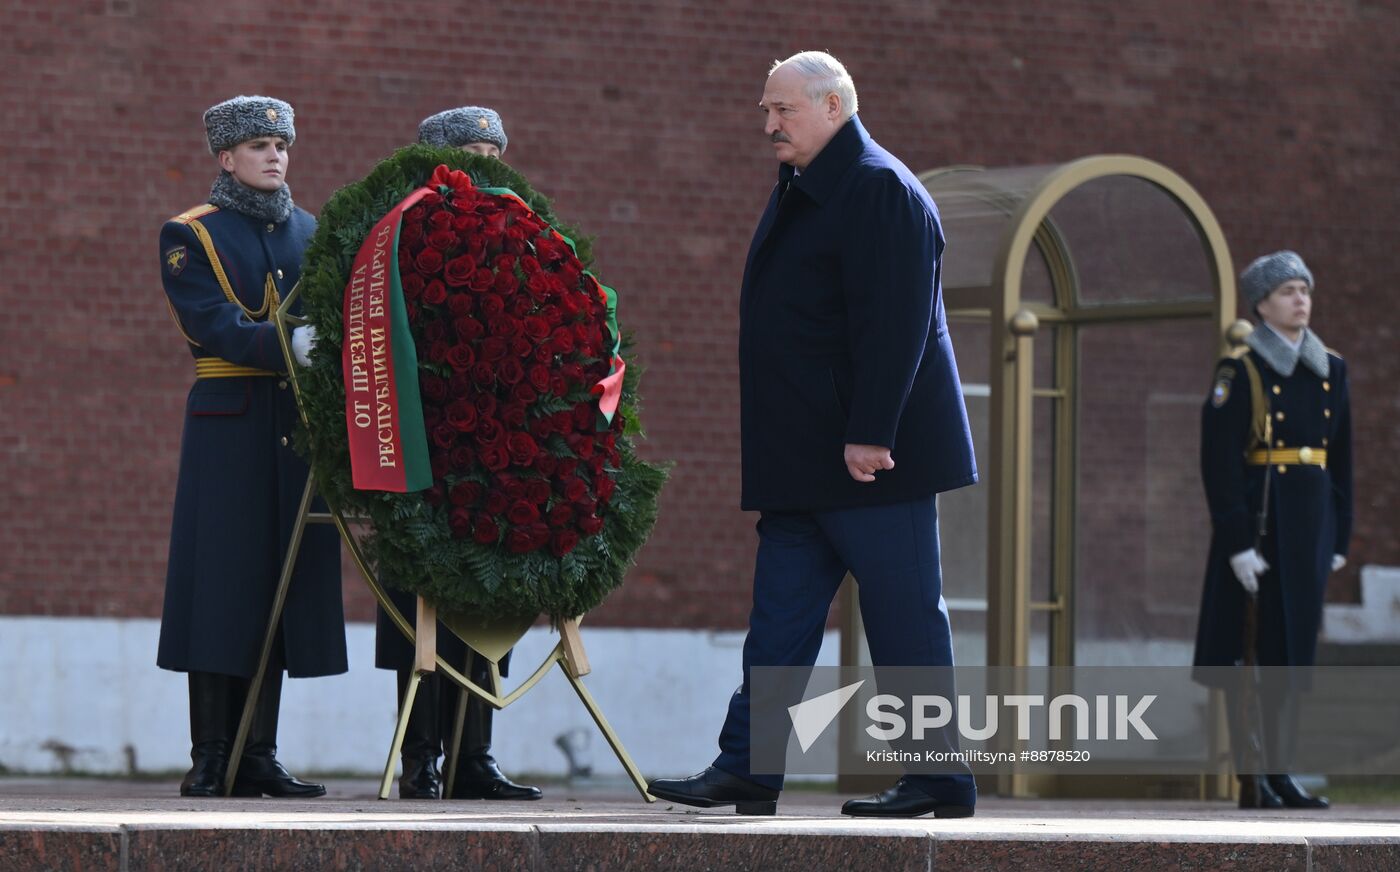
pixel 779 136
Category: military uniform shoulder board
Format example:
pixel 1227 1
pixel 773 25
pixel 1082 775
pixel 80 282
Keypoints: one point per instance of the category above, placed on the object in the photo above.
pixel 191 214
pixel 1238 352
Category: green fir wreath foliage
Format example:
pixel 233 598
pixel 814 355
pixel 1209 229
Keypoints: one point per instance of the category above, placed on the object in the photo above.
pixel 410 542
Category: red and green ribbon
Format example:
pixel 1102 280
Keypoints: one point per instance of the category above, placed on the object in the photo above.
pixel 383 410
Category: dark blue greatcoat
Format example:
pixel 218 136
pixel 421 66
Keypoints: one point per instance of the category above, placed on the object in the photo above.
pixel 843 339
pixel 1309 516
pixel 240 480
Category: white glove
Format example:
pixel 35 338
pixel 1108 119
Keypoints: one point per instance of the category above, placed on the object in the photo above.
pixel 1248 566
pixel 303 340
pixel 1338 561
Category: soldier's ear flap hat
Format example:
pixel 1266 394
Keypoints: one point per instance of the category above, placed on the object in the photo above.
pixel 243 118
pixel 1268 272
pixel 463 126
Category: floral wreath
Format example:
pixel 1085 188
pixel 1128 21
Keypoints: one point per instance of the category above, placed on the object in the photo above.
pixel 538 501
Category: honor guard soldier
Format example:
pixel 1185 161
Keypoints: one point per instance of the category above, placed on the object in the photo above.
pixel 479 131
pixel 226 265
pixel 1276 458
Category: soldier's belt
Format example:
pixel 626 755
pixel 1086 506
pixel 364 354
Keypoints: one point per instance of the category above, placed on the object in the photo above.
pixel 214 367
pixel 1288 457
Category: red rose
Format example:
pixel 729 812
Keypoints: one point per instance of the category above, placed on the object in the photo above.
pixel 510 372
pixel 558 386
pixel 416 214
pixel 461 357
pixel 562 339
pixel 440 220
pixel 563 542
pixel 435 293
pixel 529 265
pixel 481 281
pixel 466 223
pixel 550 250
pixel 536 327
pixel 523 394
pixel 546 465
pixel 539 534
pixel 410 235
pixel 605 488
pixel 508 326
pixel 444 435
pixel 412 287
pixel 581 444
pixel 459 520
pixel 476 246
pixel 442 239
pixel 587 507
pixel 432 416
pixel 428 261
pixel 581 334
pixel 519 542
pixel 468 328
pixel 493 348
pixel 463 459
pixel 575 489
pixel 494 457
pixel 552 315
pixel 585 414
pixel 539 285
pixel 561 516
pixel 505 284
pixel 544 354
pixel 437 351
pixel 434 331
pixel 431 200
pixel 503 263
pixel 492 305
pixel 439 466
pixel 520 348
pixel 497 502
pixel 464 493
pixel 512 485
pixel 434 389
pixel 539 377
pixel 567 467
pixel 537 491
pixel 590 525
pixel 461 414
pixel 458 272
pixel 490 432
pixel 484 530
pixel 522 449
pixel 569 274
pixel 460 384
pixel 522 512
pixel 513 415
pixel 572 372
pixel 485 405
pixel 460 304
pixel 483 374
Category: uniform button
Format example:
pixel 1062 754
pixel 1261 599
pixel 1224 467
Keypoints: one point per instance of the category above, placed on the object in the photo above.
pixel 1324 441
pixel 283 440
pixel 279 274
pixel 283 385
pixel 1278 416
pixel 1326 413
pixel 1327 386
pixel 1305 454
pixel 1280 444
pixel 1282 469
pixel 1277 390
pixel 271 227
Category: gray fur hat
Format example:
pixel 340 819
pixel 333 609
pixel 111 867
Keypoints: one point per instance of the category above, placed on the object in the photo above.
pixel 1268 272
pixel 462 126
pixel 244 118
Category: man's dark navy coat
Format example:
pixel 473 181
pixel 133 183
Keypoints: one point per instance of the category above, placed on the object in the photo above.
pixel 843 337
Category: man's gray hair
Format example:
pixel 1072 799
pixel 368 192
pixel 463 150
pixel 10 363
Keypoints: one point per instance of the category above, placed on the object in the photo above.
pixel 824 75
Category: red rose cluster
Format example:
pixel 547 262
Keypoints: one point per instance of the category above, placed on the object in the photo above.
pixel 510 333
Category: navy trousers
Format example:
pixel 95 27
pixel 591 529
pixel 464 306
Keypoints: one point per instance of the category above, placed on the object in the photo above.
pixel 892 551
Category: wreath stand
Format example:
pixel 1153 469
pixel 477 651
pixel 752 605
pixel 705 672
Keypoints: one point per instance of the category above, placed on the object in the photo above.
pixel 490 640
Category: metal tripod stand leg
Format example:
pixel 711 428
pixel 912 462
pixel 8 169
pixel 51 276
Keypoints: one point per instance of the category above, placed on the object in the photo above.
pixel 274 621
pixel 613 741
pixel 399 730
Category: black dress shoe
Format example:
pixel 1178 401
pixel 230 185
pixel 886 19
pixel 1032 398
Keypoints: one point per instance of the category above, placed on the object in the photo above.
pixel 1255 792
pixel 481 778
pixel 206 776
pixel 906 800
pixel 1292 795
pixel 421 778
pixel 716 787
pixel 259 775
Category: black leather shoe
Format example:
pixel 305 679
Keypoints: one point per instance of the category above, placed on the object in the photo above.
pixel 1255 792
pixel 481 778
pixel 422 744
pixel 716 787
pixel 262 775
pixel 1292 795
pixel 210 735
pixel 906 800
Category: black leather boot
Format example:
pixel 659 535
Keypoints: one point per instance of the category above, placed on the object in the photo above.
pixel 1248 748
pixel 210 737
pixel 1283 736
pixel 477 775
pixel 259 772
pixel 422 741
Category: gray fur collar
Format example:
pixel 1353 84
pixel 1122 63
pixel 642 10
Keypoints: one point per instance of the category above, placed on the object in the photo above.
pixel 229 193
pixel 1282 357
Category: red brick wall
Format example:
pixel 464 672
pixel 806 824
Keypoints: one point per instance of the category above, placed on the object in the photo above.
pixel 639 119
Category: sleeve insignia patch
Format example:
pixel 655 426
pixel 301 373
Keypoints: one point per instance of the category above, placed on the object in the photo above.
pixel 1220 393
pixel 176 258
